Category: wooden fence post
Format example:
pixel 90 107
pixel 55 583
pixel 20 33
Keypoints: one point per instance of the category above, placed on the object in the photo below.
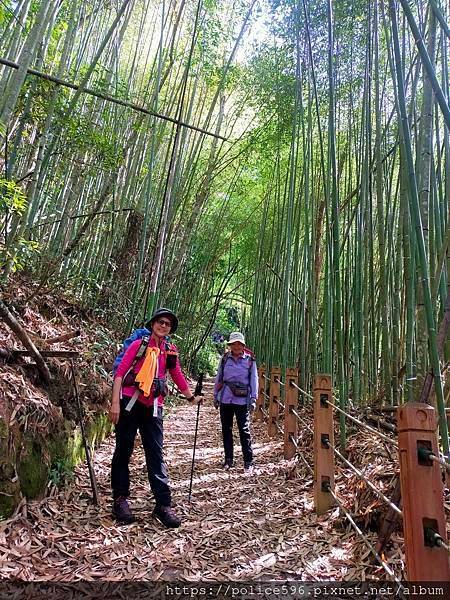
pixel 274 394
pixel 290 420
pixel 323 453
pixel 422 494
pixel 260 401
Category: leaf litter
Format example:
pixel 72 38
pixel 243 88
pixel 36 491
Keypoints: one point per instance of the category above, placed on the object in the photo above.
pixel 237 528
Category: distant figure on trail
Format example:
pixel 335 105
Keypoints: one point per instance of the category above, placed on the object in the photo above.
pixel 137 403
pixel 218 340
pixel 235 391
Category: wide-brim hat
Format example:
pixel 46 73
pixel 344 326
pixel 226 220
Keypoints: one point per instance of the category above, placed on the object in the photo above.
pixel 163 312
pixel 236 336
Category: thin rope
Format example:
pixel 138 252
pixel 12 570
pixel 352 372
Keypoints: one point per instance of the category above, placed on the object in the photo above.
pixel 441 461
pixel 278 427
pixel 364 478
pixel 279 403
pixel 440 542
pixel 300 455
pixel 294 412
pixel 300 390
pixel 385 566
pixel 368 427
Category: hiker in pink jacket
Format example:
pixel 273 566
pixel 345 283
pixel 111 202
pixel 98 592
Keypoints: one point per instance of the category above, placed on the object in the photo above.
pixel 137 403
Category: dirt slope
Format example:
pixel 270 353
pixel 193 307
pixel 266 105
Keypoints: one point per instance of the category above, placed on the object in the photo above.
pixel 39 434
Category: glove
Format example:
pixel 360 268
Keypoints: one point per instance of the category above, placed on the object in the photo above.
pixel 252 405
pixel 216 403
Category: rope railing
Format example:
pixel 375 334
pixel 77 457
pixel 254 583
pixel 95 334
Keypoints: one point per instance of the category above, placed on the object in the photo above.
pixel 264 412
pixel 434 539
pixel 358 421
pixel 300 455
pixel 278 427
pixel 368 545
pixel 364 425
pixel 294 412
pixel 364 478
pixel 279 403
pixel 330 459
pixel 300 390
pixel 349 416
pixel 380 421
pixel 440 542
pixel 441 460
pixel 354 419
pixel 266 378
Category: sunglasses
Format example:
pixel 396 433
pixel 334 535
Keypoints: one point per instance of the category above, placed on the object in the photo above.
pixel 164 323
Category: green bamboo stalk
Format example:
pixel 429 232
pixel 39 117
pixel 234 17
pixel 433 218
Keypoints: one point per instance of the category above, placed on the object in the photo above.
pixel 414 206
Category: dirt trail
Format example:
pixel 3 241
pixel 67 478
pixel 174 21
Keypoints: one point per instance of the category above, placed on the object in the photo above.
pixel 237 527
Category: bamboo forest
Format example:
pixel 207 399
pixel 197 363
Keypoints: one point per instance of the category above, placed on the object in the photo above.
pixel 259 192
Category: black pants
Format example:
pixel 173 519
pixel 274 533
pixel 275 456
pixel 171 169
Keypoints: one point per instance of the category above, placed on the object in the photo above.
pixel 227 411
pixel 151 430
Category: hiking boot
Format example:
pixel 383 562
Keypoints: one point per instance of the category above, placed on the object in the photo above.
pixel 121 510
pixel 166 516
pixel 248 469
pixel 228 464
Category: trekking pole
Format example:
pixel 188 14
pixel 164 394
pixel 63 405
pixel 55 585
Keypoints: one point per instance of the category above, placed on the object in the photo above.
pixel 197 392
pixel 85 442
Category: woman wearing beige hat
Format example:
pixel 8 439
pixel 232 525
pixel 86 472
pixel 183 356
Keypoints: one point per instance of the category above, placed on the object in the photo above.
pixel 235 392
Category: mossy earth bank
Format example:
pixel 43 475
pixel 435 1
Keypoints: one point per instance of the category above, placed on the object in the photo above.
pixel 40 437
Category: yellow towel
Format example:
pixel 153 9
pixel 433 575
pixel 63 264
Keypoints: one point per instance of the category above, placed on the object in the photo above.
pixel 147 372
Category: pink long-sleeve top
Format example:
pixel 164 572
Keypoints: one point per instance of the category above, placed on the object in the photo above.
pixel 127 360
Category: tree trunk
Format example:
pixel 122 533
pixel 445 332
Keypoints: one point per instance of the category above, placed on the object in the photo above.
pixel 423 166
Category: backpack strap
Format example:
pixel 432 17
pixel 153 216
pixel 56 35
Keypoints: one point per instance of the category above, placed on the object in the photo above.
pixel 252 360
pixel 145 340
pixel 250 352
pixel 223 361
pixel 170 348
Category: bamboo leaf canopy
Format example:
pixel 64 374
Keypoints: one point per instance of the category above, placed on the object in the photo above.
pixel 278 167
